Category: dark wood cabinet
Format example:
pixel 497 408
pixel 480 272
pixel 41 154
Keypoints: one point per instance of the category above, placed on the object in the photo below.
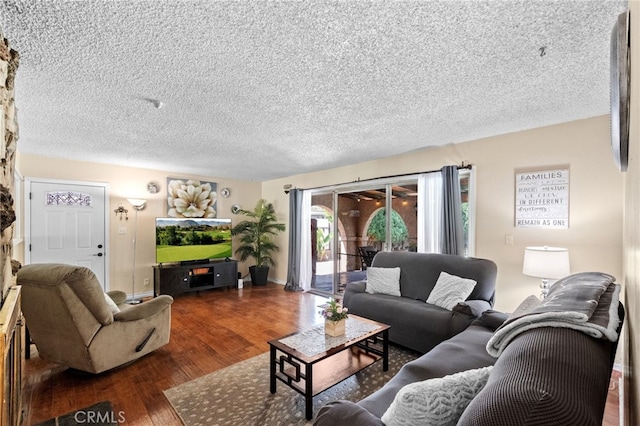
pixel 177 279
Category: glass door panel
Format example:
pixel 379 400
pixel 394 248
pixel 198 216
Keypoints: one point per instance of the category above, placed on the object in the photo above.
pixel 361 227
pixel 322 255
pixel 349 226
pixel 404 218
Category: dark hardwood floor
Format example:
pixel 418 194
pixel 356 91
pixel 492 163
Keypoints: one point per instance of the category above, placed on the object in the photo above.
pixel 210 330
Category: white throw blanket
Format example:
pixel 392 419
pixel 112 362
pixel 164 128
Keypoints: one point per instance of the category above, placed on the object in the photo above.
pixel 587 302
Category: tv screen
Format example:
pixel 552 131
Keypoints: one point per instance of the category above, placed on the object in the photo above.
pixel 187 239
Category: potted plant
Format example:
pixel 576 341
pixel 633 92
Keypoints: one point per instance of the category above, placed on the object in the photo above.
pixel 256 239
pixel 335 317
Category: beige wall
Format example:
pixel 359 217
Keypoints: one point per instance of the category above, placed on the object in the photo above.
pixel 594 237
pixel 630 342
pixel 127 182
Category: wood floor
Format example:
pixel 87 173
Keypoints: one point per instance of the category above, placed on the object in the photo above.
pixel 210 330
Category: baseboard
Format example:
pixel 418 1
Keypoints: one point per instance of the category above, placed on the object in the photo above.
pixel 139 296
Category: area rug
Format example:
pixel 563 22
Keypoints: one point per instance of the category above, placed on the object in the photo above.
pixel 239 394
pixel 100 414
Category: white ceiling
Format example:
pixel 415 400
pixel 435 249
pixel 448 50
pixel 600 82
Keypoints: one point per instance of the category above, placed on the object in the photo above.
pixel 262 89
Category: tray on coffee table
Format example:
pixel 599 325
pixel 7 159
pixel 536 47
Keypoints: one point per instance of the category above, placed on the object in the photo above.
pixel 311 362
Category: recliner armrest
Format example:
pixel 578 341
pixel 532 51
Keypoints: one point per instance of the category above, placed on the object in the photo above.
pixel 144 310
pixel 117 296
pixel 473 308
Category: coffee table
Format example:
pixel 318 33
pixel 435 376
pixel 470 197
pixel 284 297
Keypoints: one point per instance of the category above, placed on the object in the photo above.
pixel 311 362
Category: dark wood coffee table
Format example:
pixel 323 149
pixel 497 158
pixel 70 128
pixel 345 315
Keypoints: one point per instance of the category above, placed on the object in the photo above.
pixel 310 362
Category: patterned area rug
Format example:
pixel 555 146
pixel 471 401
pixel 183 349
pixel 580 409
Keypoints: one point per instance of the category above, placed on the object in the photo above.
pixel 239 394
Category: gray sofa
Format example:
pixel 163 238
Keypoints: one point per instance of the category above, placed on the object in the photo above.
pixel 545 376
pixel 415 324
pixel 547 363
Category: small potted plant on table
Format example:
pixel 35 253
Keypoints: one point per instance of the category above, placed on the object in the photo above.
pixel 256 239
pixel 335 318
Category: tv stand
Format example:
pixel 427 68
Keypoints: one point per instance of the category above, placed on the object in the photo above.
pixel 177 279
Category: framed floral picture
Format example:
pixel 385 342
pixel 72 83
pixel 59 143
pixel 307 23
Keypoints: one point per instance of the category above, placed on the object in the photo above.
pixel 191 198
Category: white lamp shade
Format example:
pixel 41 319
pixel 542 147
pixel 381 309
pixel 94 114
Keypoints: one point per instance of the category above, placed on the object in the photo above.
pixel 137 203
pixel 546 262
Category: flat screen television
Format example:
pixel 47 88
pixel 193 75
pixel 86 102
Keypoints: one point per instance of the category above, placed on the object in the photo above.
pixel 182 240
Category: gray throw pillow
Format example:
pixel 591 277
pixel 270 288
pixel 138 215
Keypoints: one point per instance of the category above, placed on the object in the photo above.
pixel 450 290
pixel 383 281
pixel 436 402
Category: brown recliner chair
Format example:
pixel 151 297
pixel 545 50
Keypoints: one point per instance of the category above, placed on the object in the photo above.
pixel 72 323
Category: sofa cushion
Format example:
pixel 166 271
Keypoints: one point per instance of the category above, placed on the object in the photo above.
pixel 546 376
pixel 435 402
pixel 383 281
pixel 413 322
pixel 464 351
pixel 344 412
pixel 420 271
pixel 450 290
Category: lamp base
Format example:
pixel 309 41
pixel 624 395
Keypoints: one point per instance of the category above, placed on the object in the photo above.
pixel 544 288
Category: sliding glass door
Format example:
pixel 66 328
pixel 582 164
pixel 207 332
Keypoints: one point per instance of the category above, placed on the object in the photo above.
pixel 351 223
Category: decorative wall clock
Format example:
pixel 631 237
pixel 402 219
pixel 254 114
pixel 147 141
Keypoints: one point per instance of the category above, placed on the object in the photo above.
pixel 153 187
pixel 620 74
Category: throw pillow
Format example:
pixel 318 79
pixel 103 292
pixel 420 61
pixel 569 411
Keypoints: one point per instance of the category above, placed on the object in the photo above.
pixel 450 290
pixel 383 281
pixel 436 402
pixel 112 305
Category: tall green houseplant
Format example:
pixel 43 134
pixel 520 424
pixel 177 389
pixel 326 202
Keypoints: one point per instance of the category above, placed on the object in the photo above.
pixel 256 241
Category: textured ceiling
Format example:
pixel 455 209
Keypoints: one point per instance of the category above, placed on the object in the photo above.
pixel 262 89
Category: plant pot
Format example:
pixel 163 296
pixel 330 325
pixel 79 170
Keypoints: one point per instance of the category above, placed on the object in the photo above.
pixel 334 328
pixel 259 275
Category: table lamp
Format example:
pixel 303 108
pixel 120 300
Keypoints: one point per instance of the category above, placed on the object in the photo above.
pixel 546 263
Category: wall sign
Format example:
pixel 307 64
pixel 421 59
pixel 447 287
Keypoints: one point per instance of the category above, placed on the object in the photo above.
pixel 542 199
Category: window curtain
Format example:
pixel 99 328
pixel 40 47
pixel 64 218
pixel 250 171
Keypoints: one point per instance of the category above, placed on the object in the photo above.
pixel 305 243
pixel 299 267
pixel 295 240
pixel 430 212
pixel 452 230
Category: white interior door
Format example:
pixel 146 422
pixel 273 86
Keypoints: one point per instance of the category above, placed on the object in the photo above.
pixel 66 223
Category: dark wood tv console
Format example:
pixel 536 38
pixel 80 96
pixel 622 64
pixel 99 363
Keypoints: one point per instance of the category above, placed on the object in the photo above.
pixel 175 279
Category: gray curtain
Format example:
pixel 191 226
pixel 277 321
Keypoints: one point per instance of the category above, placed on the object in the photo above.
pixel 452 228
pixel 295 230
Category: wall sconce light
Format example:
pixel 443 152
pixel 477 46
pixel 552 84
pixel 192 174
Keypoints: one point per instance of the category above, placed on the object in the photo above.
pixel 138 204
pixel 546 262
pixel 122 212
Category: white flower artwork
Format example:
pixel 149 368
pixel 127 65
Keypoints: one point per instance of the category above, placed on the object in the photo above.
pixel 191 198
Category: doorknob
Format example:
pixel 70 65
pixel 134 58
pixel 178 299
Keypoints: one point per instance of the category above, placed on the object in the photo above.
pixel 98 254
pixel 99 245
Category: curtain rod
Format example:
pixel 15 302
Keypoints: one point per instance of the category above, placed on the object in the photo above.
pixel 463 166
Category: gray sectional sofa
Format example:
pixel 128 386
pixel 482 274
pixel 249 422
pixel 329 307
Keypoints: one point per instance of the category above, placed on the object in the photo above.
pixel 546 376
pixel 414 323
pixel 553 367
